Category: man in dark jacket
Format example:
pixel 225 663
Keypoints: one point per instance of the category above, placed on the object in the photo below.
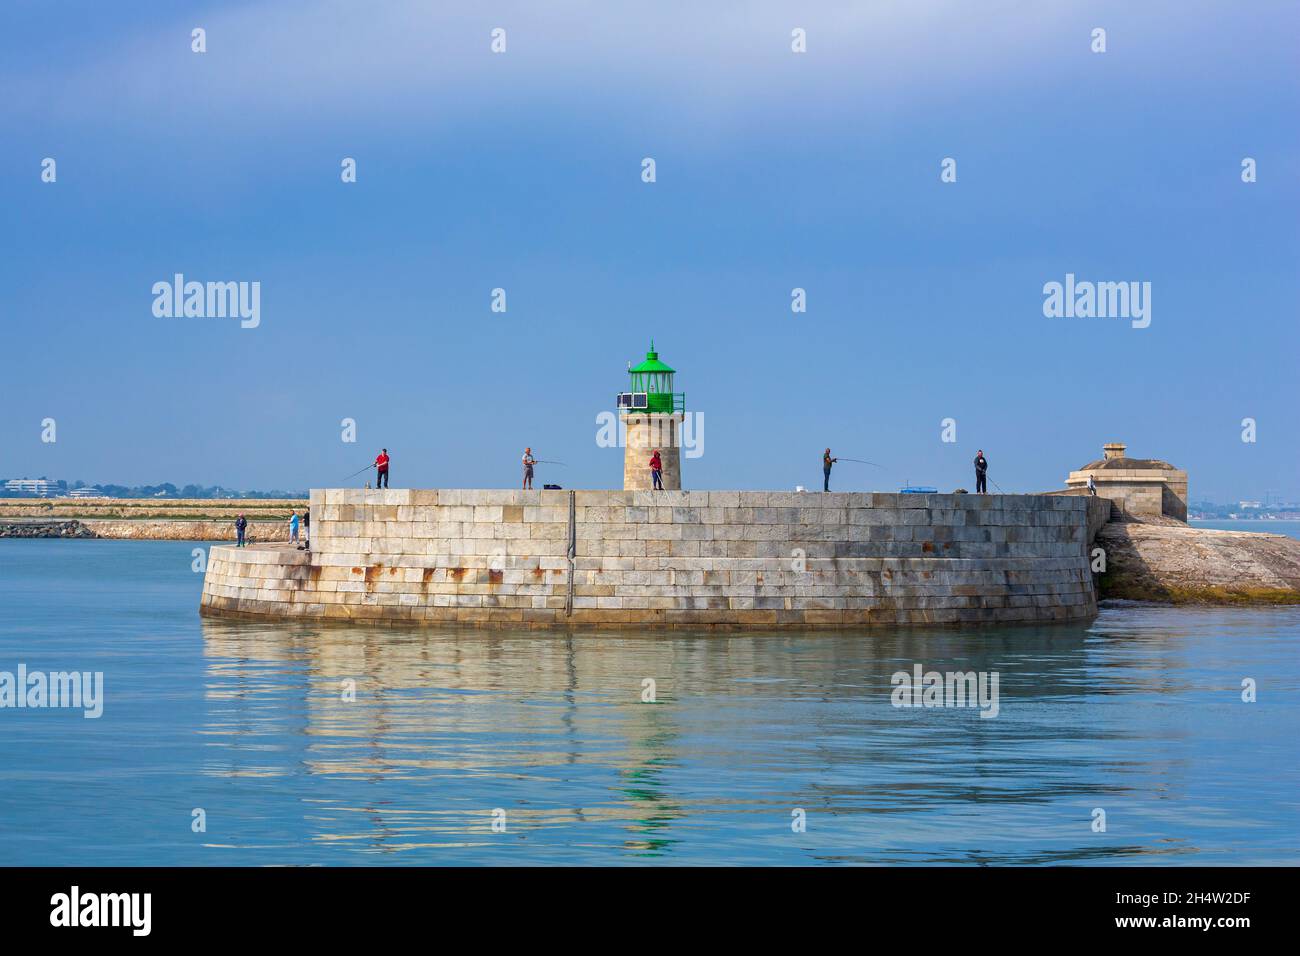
pixel 240 524
pixel 827 461
pixel 981 470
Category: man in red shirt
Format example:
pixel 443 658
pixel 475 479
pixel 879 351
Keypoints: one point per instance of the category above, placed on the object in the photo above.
pixel 381 463
pixel 657 470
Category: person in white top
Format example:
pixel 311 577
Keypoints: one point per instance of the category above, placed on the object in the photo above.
pixel 529 461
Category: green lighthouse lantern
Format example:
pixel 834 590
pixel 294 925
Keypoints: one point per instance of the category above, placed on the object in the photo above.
pixel 650 387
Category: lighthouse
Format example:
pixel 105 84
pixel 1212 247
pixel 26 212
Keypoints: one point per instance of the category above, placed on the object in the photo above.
pixel 651 415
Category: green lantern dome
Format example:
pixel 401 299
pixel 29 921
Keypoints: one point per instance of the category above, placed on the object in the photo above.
pixel 652 363
pixel 650 387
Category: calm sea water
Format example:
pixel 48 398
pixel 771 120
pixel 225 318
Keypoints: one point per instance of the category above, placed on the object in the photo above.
pixel 1138 714
pixel 1289 528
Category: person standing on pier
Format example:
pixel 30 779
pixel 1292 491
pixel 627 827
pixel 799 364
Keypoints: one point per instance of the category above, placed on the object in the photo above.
pixel 827 461
pixel 529 461
pixel 306 527
pixel 241 523
pixel 657 471
pixel 1092 486
pixel 293 528
pixel 381 466
pixel 981 473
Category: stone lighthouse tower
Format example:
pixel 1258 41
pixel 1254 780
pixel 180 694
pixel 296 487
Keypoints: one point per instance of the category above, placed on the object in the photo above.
pixel 651 415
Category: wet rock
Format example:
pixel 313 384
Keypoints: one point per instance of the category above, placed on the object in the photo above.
pixel 1167 561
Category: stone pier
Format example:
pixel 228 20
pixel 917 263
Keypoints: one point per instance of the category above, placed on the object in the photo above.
pixel 672 558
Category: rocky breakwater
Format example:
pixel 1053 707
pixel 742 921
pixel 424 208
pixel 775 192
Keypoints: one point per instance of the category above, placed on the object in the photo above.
pixel 44 529
pixel 1162 559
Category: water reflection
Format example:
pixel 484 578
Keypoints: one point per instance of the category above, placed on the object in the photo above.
pixel 1139 714
pixel 447 727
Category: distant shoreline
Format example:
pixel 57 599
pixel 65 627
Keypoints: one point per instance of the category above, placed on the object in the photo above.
pixel 1284 525
pixel 150 519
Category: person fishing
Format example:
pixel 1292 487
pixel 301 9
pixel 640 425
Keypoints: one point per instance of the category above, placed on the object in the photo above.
pixel 293 528
pixel 529 461
pixel 306 529
pixel 381 465
pixel 827 462
pixel 981 473
pixel 241 524
pixel 657 471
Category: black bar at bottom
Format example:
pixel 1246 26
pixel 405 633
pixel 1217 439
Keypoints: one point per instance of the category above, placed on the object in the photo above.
pixel 655 905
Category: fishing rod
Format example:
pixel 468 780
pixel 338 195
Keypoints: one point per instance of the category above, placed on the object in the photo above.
pixel 861 462
pixel 547 461
pixel 355 473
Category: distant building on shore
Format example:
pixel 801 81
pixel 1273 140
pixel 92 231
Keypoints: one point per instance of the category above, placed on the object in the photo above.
pixel 40 487
pixel 1141 487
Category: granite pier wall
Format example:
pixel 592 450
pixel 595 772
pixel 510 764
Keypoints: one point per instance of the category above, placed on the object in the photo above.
pixel 673 558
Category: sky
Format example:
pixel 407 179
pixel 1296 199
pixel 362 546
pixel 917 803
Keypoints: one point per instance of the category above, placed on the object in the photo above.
pixel 774 170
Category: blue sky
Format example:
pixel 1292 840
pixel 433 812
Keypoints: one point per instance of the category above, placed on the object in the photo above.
pixel 775 170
